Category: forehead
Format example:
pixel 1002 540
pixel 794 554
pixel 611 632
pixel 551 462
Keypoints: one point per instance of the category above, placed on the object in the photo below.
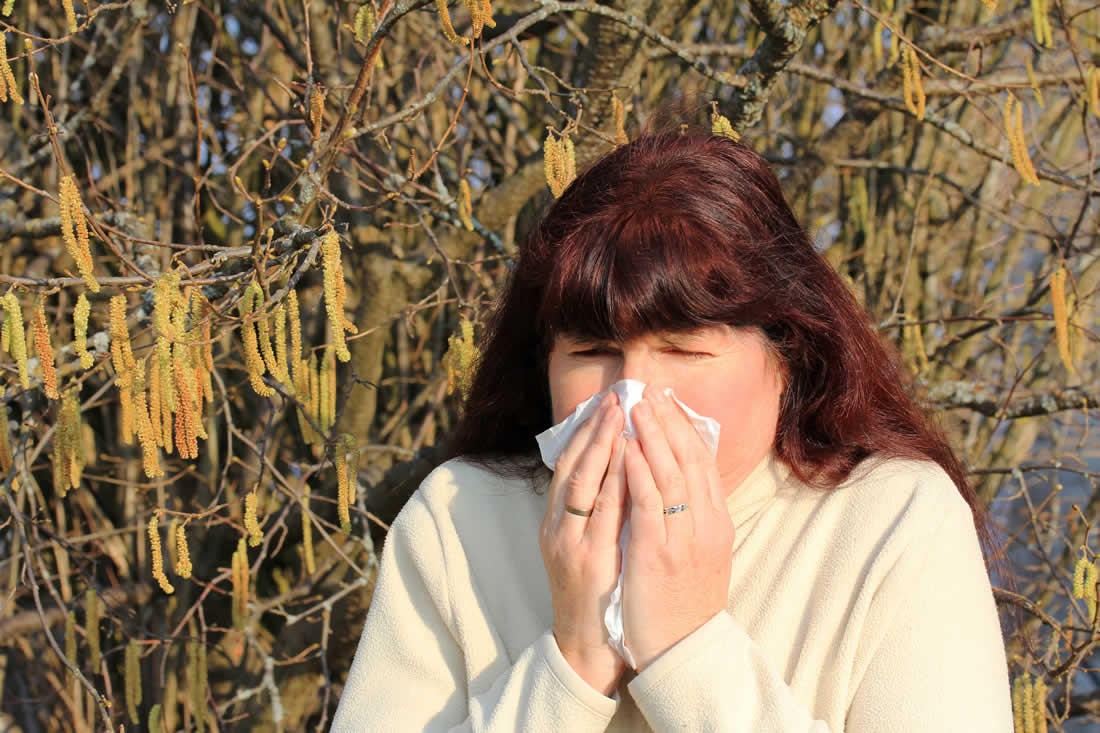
pixel 719 332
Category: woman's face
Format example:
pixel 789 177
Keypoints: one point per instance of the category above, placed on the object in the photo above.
pixel 718 371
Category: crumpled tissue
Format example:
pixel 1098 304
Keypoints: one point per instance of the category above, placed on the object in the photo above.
pixel 553 441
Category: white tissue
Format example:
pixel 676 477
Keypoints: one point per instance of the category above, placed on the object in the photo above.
pixel 553 441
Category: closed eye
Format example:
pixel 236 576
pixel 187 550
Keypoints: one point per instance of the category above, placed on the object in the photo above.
pixel 689 354
pixel 590 352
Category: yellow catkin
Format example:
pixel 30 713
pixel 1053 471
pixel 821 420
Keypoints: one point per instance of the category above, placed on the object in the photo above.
pixel 1092 592
pixel 44 351
pixel 343 499
pixel 166 295
pixel 620 130
pixel 720 124
pixel 251 523
pixel 68 456
pixel 154 720
pixel 1021 705
pixel 914 87
pixel 323 382
pixel 316 110
pixel 445 22
pixel 196 681
pixel 6 460
pixel 154 405
pixel 74 230
pixel 70 637
pixel 282 362
pixel 465 205
pixel 334 291
pixel 991 4
pixel 240 584
pixel 1093 90
pixel 187 416
pixel 183 553
pixel 91 628
pixel 80 331
pixel 365 20
pixel 329 356
pixel 15 339
pixel 122 358
pixel 1079 571
pixel 1061 315
pixel 147 430
pixel 9 5
pixel 1013 116
pixel 559 163
pixel 155 556
pixel 252 359
pixel 460 361
pixel 133 681
pixel 171 694
pixel 307 534
pixel 1041 22
pixel 1034 84
pixel 8 88
pixel 263 330
pixel 1039 704
pixel 295 318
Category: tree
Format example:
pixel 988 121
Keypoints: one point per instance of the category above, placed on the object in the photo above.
pixel 248 247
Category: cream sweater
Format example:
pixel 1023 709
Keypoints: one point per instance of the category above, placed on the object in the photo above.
pixel 867 608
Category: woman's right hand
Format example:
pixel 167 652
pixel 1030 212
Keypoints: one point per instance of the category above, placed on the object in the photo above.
pixel 581 554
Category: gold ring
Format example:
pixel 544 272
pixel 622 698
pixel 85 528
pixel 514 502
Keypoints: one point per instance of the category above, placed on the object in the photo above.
pixel 578 512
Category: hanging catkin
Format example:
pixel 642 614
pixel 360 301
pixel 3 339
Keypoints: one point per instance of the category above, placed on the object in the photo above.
pixel 1061 315
pixel 8 87
pixel 6 460
pixel 80 331
pixel 307 534
pixel 334 293
pixel 133 681
pixel 251 523
pixel 155 555
pixel 91 628
pixel 14 338
pixel 183 553
pixel 123 360
pixel 74 231
pixel 44 351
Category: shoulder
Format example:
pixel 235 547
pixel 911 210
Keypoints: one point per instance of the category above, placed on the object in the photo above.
pixel 459 493
pixel 890 504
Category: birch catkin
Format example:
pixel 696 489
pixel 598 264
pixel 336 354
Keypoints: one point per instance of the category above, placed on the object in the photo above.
pixel 720 124
pixel 559 163
pixel 133 681
pixel 74 230
pixel 155 555
pixel 252 359
pixel 307 534
pixel 240 584
pixel 251 523
pixel 913 86
pixel 80 331
pixel 1061 316
pixel 91 628
pixel 8 87
pixel 196 678
pixel 6 460
pixel 1013 116
pixel 14 338
pixel 343 493
pixel 44 351
pixel 183 553
pixel 147 430
pixel 334 292
pixel 465 205
pixel 123 360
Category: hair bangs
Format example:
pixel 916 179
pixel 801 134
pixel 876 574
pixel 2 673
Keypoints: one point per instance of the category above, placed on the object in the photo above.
pixel 641 274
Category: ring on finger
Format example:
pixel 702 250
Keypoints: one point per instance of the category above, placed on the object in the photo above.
pixel 578 512
pixel 674 509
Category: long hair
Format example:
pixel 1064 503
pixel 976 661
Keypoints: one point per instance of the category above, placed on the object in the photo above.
pixel 680 230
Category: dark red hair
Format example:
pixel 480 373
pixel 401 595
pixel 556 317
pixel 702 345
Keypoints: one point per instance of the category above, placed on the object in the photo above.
pixel 676 231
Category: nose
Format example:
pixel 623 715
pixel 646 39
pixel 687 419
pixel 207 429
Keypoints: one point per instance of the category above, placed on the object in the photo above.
pixel 637 364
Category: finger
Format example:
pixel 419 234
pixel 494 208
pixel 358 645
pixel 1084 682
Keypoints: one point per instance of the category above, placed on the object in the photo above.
pixel 666 471
pixel 582 484
pixel 646 518
pixel 695 461
pixel 607 511
pixel 569 457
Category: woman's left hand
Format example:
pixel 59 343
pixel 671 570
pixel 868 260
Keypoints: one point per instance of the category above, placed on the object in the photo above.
pixel 677 566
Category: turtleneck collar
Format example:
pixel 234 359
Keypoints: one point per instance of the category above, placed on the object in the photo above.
pixel 758 488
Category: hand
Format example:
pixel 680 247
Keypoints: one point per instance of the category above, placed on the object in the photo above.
pixel 677 566
pixel 581 554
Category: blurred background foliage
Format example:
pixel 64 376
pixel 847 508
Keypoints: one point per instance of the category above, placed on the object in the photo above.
pixel 246 169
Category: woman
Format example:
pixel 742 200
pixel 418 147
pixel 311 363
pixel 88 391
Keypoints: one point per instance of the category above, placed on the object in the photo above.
pixel 822 571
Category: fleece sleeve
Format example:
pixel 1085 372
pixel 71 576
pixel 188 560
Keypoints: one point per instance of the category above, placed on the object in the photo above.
pixel 409 672
pixel 931 657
